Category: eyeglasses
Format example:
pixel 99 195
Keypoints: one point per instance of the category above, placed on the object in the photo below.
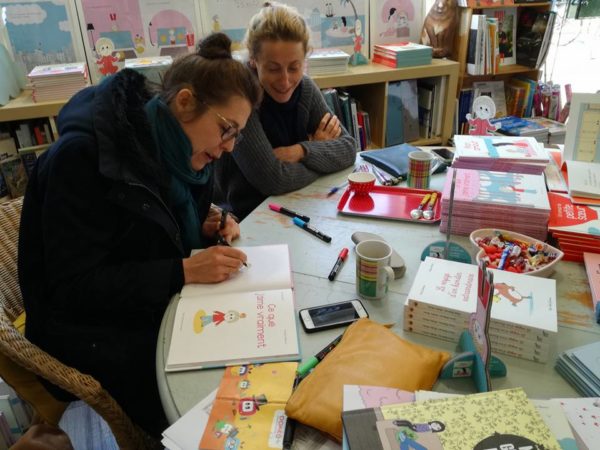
pixel 231 131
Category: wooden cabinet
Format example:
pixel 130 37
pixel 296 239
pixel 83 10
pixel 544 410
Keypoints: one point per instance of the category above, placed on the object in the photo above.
pixel 368 84
pixel 462 42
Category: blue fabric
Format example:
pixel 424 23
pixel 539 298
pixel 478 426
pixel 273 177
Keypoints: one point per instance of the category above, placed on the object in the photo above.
pixel 175 150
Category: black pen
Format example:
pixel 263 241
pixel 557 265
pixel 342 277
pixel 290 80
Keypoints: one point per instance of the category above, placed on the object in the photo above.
pixel 290 424
pixel 338 263
pixel 311 230
pixel 288 212
pixel 222 241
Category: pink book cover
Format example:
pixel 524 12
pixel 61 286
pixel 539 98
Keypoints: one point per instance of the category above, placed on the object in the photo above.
pixel 514 148
pixel 502 188
pixel 592 268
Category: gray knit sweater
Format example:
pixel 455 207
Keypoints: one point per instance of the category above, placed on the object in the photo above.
pixel 251 173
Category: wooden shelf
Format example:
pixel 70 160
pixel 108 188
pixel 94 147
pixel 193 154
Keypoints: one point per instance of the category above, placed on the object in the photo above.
pixel 369 85
pixel 516 5
pixel 23 107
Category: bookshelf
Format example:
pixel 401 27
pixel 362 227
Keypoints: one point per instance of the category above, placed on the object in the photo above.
pixel 369 85
pixel 462 41
pixel 23 107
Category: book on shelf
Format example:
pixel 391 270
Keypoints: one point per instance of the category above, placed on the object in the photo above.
pixel 497 419
pixel 507 33
pixel 402 54
pixel 592 268
pixel 534 31
pixel 253 311
pixel 15 176
pixel 248 411
pixel 324 61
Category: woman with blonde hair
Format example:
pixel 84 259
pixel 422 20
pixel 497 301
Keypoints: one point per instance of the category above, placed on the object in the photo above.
pixel 292 138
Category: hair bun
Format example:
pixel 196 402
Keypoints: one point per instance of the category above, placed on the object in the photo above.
pixel 215 46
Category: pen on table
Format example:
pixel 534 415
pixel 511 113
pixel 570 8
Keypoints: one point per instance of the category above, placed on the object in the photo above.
pixel 305 367
pixel 311 230
pixel 338 263
pixel 333 190
pixel 290 424
pixel 288 212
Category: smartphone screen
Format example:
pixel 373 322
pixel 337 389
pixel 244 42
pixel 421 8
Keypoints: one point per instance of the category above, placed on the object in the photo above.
pixel 335 314
pixel 444 153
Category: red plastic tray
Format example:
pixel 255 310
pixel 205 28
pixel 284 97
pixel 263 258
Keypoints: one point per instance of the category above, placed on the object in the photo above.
pixel 387 202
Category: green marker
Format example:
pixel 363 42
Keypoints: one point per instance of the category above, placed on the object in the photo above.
pixel 306 367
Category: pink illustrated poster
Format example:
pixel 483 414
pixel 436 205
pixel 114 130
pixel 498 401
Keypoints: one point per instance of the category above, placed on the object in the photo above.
pixel 125 29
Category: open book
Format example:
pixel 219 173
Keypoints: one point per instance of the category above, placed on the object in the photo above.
pixel 248 318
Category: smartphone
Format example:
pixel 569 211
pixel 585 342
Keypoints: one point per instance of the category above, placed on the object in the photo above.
pixel 446 155
pixel 333 315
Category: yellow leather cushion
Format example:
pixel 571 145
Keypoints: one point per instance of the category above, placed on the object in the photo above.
pixel 28 387
pixel 368 354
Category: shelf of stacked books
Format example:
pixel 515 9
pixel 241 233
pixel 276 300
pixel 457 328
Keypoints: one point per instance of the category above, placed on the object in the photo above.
pixel 23 108
pixel 372 85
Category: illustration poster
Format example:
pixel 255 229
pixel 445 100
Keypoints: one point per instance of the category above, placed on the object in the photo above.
pixel 125 29
pixel 332 23
pixel 394 21
pixel 40 32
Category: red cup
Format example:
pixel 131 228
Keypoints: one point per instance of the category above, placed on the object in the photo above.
pixel 361 183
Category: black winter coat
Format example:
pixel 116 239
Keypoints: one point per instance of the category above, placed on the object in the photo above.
pixel 100 252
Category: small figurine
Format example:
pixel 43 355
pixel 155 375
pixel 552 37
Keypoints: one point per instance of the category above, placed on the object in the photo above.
pixel 485 109
pixel 439 27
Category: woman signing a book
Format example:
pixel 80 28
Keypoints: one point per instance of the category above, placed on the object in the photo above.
pixel 291 139
pixel 113 209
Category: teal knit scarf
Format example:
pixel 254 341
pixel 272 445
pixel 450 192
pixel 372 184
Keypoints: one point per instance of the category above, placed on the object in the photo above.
pixel 175 151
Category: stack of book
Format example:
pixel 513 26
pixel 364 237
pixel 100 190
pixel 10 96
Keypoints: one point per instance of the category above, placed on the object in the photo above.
pixel 556 130
pixel 485 199
pixel 323 61
pixel 444 295
pixel 575 227
pixel 501 153
pixel 518 126
pixel 402 54
pixel 58 81
pixel 592 268
pixel 152 67
pixel 581 368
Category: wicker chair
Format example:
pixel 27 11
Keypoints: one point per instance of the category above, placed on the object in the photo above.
pixel 27 355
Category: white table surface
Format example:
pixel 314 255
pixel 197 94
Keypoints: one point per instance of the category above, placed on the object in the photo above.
pixel 311 261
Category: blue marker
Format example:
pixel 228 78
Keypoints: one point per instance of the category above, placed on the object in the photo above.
pixel 311 230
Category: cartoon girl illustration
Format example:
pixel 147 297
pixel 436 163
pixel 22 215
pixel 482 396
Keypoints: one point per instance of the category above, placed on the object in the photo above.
pixel 358 58
pixel 408 434
pixel 201 319
pixel 510 293
pixel 484 110
pixel 105 48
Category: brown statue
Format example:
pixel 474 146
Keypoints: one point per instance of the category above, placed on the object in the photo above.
pixel 439 27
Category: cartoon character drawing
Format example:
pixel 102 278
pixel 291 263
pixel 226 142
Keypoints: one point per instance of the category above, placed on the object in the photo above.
pixel 248 406
pixel 408 434
pixel 105 48
pixel 201 319
pixel 484 110
pixel 510 293
pixel 397 24
pixel 225 428
pixel 140 46
pixel 358 58
pixel 231 443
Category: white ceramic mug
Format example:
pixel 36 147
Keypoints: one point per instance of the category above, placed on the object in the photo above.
pixel 373 271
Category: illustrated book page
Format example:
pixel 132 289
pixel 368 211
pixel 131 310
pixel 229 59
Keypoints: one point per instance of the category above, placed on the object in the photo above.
pixel 249 318
pixel 248 412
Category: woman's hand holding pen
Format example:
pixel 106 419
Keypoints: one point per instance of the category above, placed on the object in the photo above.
pixel 329 128
pixel 213 265
pixel 212 226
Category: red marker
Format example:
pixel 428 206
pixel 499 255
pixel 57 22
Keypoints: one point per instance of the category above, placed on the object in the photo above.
pixel 288 212
pixel 340 260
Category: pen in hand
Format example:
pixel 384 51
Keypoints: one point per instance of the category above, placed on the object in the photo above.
pixel 220 239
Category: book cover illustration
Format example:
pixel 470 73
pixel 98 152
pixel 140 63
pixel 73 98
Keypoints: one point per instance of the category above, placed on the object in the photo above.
pixel 525 149
pixel 566 216
pixel 502 188
pixel 583 414
pixel 248 412
pixel 490 420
